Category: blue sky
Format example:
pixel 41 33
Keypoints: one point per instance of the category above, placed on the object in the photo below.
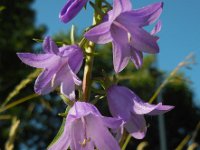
pixel 180 34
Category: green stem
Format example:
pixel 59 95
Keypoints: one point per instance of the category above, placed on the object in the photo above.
pixel 17 102
pixel 126 142
pixel 87 77
pixel 88 72
pixel 187 61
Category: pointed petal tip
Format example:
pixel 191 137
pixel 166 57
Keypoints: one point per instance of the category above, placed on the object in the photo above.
pixel 138 135
pixel 162 4
pixel 117 70
pixel 37 90
pixel 63 19
pixel 19 55
pixel 159 4
pixel 169 107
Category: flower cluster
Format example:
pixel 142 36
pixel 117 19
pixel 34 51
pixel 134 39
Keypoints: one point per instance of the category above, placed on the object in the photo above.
pixel 85 128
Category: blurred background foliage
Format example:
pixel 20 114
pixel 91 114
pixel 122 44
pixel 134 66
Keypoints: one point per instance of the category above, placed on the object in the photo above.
pixel 39 120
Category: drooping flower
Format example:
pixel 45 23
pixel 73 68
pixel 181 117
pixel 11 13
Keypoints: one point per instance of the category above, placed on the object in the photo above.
pixel 59 65
pixel 85 128
pixel 124 28
pixel 71 9
pixel 125 104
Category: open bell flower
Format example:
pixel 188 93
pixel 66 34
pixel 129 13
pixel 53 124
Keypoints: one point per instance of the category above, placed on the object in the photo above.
pixel 59 65
pixel 85 128
pixel 125 104
pixel 71 9
pixel 124 28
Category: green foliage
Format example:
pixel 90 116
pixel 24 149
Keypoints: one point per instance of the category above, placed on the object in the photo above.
pixel 17 30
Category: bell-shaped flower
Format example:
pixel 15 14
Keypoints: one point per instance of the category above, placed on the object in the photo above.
pixel 124 28
pixel 125 104
pixel 86 129
pixel 71 9
pixel 59 65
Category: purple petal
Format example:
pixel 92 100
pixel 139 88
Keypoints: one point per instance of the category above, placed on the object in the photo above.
pixel 141 17
pixel 157 28
pixel 136 57
pixel 136 126
pixel 141 107
pixel 38 60
pixel 100 135
pixel 112 123
pixel 119 98
pixel 143 41
pixel 81 109
pixel 161 109
pixel 43 82
pixel 64 141
pixel 76 60
pixel 76 79
pixel 68 88
pixel 67 83
pixel 46 88
pixel 120 56
pixel 120 6
pixel 71 9
pixel 121 48
pixel 100 34
pixel 77 134
pixel 49 46
pixel 74 55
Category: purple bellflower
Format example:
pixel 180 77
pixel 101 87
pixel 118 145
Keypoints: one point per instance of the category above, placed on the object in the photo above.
pixel 125 104
pixel 124 28
pixel 71 9
pixel 59 65
pixel 86 128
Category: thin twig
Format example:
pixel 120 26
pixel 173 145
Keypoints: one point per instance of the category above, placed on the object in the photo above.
pixel 17 102
pixel 21 85
pixel 186 62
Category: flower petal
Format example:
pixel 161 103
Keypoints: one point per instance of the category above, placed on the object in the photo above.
pixel 120 6
pixel 121 48
pixel 74 55
pixel 81 109
pixel 136 126
pixel 119 97
pixel 157 28
pixel 136 57
pixel 100 34
pixel 112 123
pixel 45 89
pixel 143 41
pixel 141 17
pixel 64 141
pixel 77 132
pixel 161 109
pixel 38 60
pixel 49 46
pixel 76 79
pixel 67 86
pixel 43 82
pixel 120 56
pixel 75 61
pixel 99 134
pixel 141 107
pixel 71 9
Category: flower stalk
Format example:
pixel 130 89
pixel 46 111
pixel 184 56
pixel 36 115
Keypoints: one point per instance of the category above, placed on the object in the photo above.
pixel 88 71
pixel 89 58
